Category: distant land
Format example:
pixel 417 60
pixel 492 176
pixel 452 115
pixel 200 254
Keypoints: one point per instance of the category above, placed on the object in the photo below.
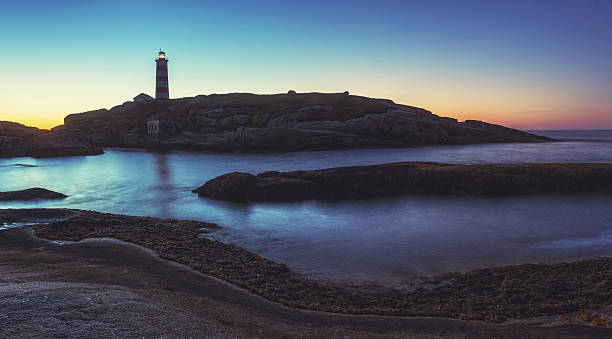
pixel 17 140
pixel 243 122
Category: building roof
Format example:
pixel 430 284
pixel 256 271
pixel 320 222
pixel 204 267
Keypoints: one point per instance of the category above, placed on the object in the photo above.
pixel 143 97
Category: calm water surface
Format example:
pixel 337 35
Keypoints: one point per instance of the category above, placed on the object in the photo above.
pixel 383 239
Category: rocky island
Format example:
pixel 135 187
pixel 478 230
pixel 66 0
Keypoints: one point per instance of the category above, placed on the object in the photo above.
pixel 241 122
pixel 17 140
pixel 31 194
pixel 410 178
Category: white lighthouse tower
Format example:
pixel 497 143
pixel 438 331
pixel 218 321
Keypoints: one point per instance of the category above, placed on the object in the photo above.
pixel 161 76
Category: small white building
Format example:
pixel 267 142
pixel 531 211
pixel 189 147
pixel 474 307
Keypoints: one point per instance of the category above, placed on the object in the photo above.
pixel 153 127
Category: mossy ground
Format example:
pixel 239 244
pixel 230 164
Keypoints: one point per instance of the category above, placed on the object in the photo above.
pixel 489 294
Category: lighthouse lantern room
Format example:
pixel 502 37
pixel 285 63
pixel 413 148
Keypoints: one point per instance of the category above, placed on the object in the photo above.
pixel 161 76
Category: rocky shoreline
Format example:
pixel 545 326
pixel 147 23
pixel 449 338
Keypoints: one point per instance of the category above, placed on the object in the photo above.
pixel 491 294
pixel 410 178
pixel 17 140
pixel 35 215
pixel 106 287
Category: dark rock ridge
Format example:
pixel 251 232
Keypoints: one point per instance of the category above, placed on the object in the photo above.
pixel 35 214
pixel 411 178
pixel 17 140
pixel 31 194
pixel 281 122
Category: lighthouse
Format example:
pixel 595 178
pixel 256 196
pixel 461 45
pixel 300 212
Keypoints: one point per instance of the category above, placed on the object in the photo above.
pixel 161 76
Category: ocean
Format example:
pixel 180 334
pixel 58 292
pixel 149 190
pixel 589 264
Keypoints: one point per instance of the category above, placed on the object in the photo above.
pixel 390 240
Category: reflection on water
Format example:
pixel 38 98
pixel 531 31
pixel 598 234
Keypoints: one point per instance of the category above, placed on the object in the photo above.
pixel 380 239
pixel 163 182
pixel 602 240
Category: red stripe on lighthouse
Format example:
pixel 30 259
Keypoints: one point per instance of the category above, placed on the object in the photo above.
pixel 161 78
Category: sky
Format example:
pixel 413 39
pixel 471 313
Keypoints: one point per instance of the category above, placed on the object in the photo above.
pixel 525 64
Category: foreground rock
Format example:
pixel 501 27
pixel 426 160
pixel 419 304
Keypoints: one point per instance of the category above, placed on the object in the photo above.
pixel 410 178
pixel 491 294
pixel 31 194
pixel 107 288
pixel 17 140
pixel 281 122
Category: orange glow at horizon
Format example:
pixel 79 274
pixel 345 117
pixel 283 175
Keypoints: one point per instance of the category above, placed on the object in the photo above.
pixel 511 102
pixel 514 117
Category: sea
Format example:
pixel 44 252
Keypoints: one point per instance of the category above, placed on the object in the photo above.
pixel 386 240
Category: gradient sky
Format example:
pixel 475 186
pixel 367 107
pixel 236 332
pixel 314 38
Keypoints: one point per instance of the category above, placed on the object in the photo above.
pixel 526 64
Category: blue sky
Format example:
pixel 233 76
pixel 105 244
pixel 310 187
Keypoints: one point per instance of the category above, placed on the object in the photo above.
pixel 527 64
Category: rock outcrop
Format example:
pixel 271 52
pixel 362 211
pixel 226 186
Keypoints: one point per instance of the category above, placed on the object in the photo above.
pixel 31 194
pixel 17 140
pixel 281 122
pixel 410 178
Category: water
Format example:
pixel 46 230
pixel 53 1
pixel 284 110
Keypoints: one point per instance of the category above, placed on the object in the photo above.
pixel 7 225
pixel 386 239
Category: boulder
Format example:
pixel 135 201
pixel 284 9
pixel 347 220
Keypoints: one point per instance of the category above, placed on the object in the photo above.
pixel 244 187
pixel 259 120
pixel 31 194
pixel 230 186
pixel 241 119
